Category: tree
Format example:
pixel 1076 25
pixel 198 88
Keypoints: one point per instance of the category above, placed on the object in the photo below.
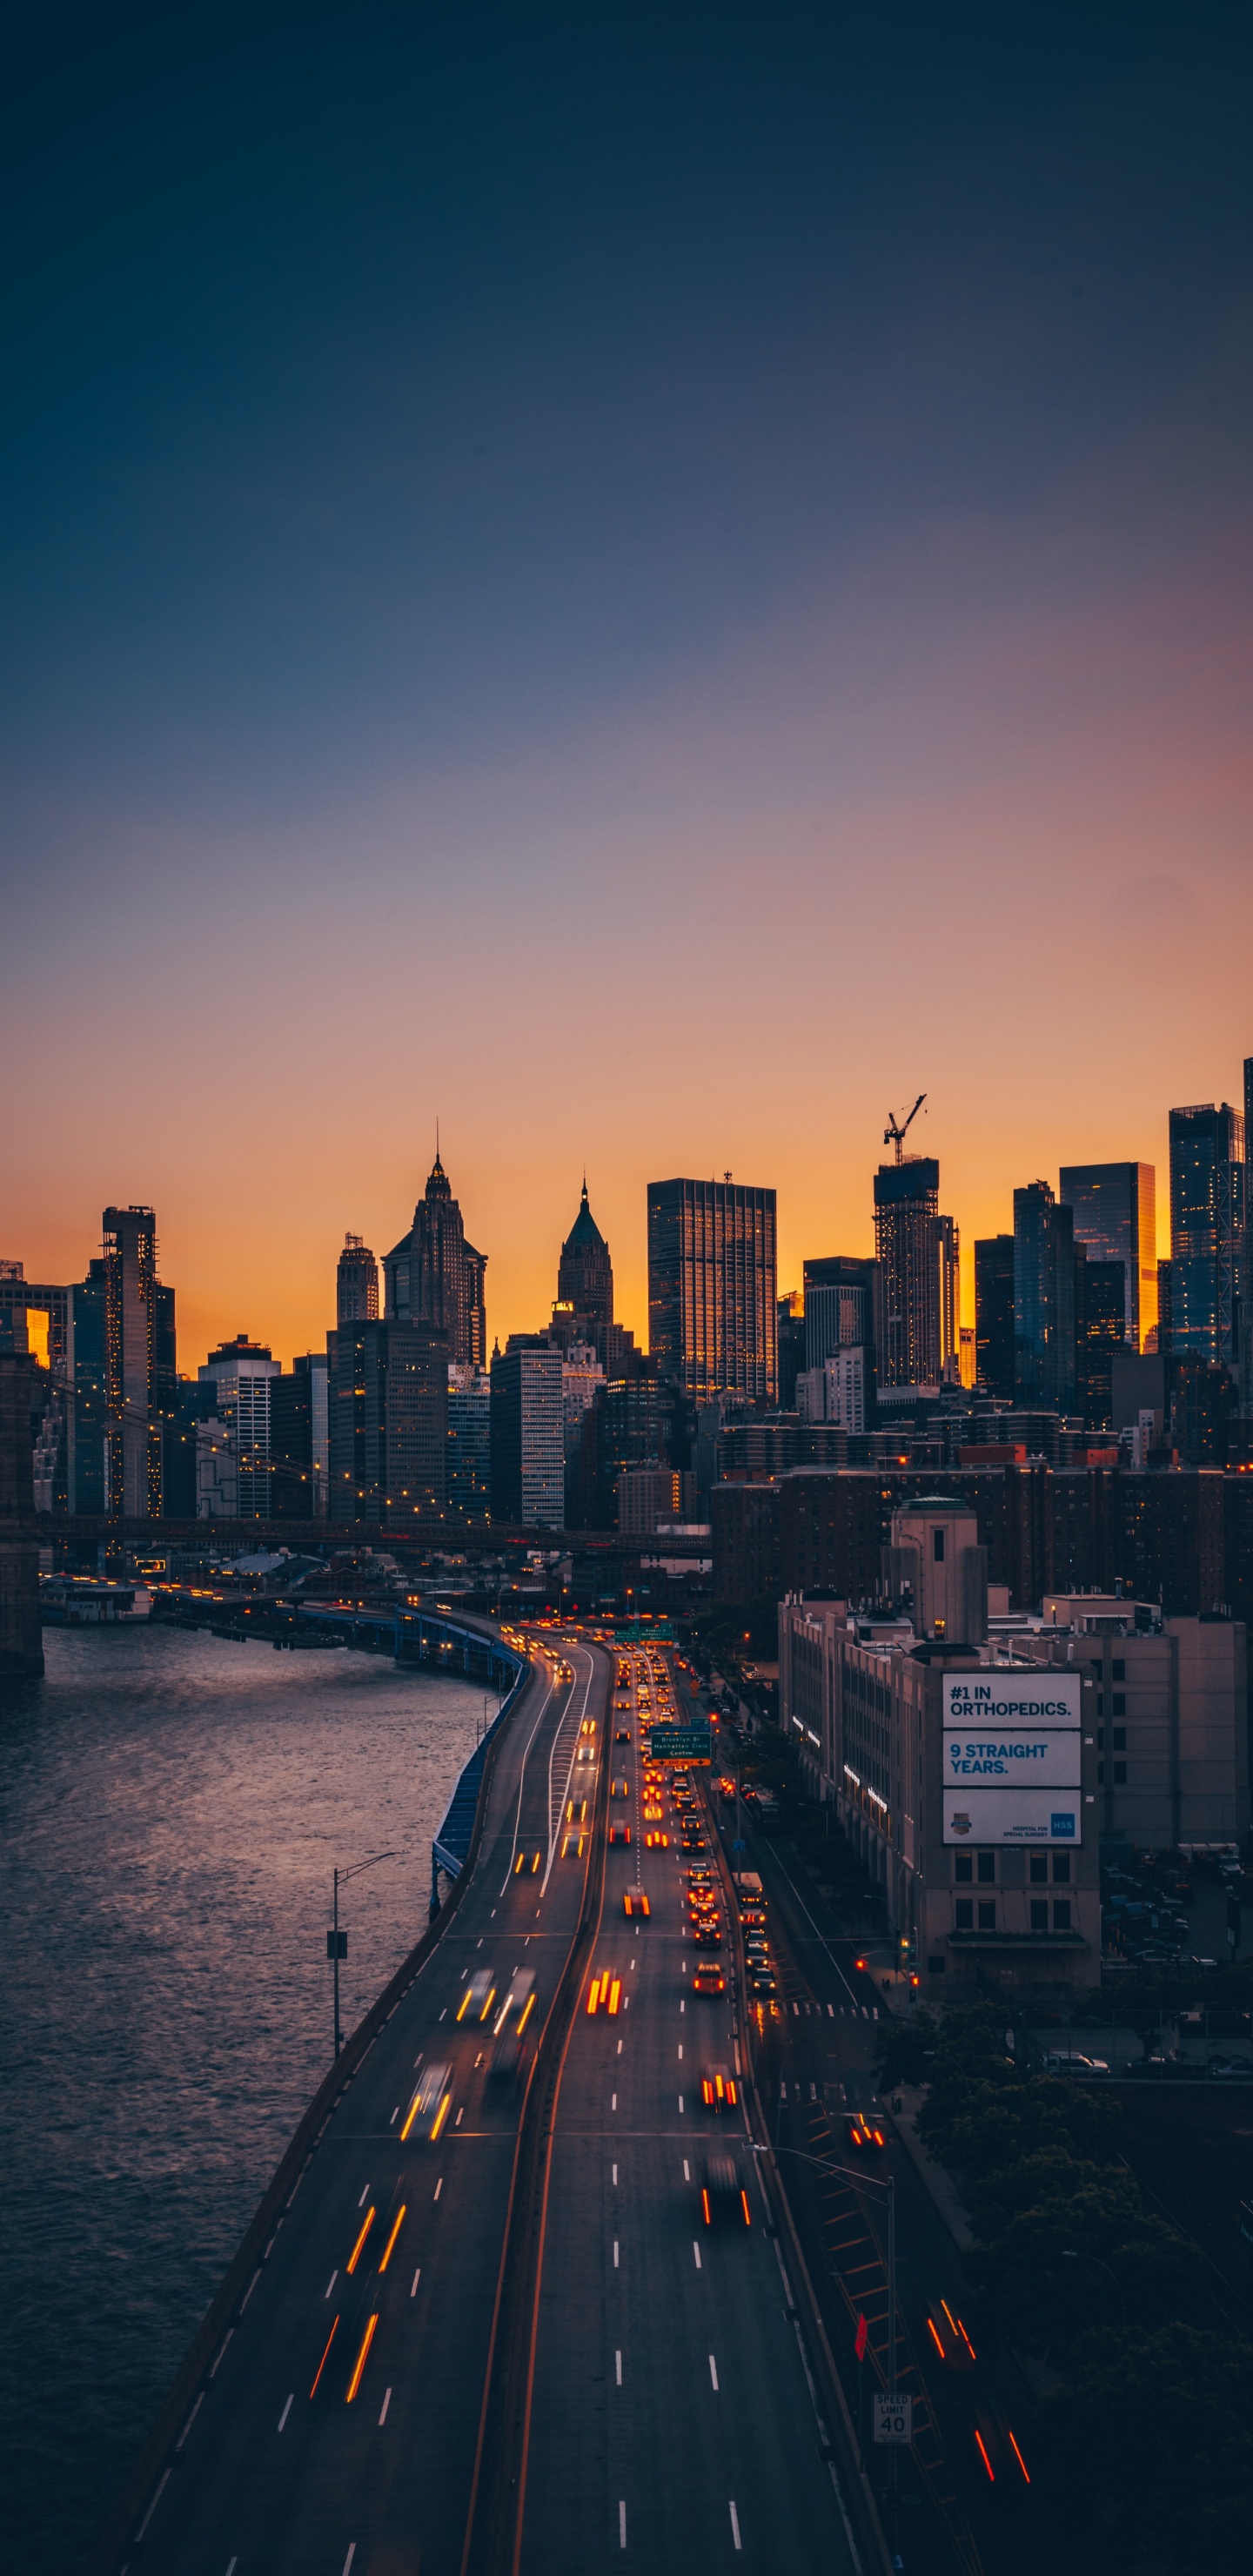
pixel 1149 2448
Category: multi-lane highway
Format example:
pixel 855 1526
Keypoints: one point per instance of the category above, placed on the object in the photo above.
pixel 337 2428
pixel 512 2317
pixel 672 2416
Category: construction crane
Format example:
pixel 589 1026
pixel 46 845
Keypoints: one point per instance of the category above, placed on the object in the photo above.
pixel 894 1135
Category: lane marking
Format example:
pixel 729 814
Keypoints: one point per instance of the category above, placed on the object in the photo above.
pixel 442 2015
pixel 696 2252
pixel 361 2205
pixel 622 2526
pixel 735 2528
pixel 615 2177
pixel 713 2373
pixel 233 2565
pixel 439 2187
pixel 617 2366
pixel 416 2278
pixel 680 2106
pixel 352 2552
pixel 387 2399
pixel 546 1696
pixel 615 2254
pixel 680 2048
pixel 286 2412
pixel 620 2049
pixel 686 2175
pixel 394 2118
pixel 613 2101
pixel 331 2283
pixel 190 2421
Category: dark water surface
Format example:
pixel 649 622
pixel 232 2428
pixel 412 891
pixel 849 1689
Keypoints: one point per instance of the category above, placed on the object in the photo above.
pixel 170 1810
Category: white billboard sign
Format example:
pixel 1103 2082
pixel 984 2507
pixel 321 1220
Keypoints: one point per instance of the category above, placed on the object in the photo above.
pixel 1012 1757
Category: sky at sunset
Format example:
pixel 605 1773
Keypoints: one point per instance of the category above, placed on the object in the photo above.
pixel 648 584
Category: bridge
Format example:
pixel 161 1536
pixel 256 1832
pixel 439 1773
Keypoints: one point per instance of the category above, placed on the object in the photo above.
pixel 516 2302
pixel 235 1538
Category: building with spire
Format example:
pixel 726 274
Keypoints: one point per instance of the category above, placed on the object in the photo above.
pixel 436 1279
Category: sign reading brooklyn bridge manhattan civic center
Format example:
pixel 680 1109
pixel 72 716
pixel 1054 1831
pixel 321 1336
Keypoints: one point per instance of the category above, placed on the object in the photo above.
pixel 1012 1758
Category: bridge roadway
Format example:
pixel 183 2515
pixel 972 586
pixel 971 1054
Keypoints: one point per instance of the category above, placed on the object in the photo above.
pixel 666 2418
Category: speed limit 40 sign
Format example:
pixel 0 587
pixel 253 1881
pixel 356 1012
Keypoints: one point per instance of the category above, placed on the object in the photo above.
pixel 893 2418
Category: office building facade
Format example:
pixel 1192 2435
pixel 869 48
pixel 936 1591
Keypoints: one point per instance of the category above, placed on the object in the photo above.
pixel 356 1283
pixel 242 1374
pixel 713 1288
pixel 528 1433
pixel 994 1315
pixel 469 1443
pixel 388 1428
pixel 1207 1228
pixel 839 1307
pixel 1045 1318
pixel 585 1281
pixel 917 1284
pixel 1114 1206
pixel 140 1363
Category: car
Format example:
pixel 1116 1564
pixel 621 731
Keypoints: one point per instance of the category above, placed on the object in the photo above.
pixel 477 1999
pixel 862 2131
pixel 1073 2061
pixel 429 2107
pixel 760 1982
pixel 708 1935
pixel 1231 2066
pixel 506 2061
pixel 657 1842
pixel 634 1901
pixel 709 1979
pixel 619 1833
pixel 722 2195
pixel 622 1735
pixel 718 2089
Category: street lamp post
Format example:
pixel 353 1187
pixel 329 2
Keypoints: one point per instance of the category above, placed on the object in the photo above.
pixel 337 1941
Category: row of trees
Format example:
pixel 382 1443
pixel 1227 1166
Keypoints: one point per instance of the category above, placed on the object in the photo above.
pixel 1148 2442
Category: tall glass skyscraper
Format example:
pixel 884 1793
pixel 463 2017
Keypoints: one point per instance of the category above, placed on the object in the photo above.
pixel 713 1288
pixel 1207 1173
pixel 916 1276
pixel 1115 1212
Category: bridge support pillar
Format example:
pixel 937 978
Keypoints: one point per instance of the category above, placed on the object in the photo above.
pixel 21 1636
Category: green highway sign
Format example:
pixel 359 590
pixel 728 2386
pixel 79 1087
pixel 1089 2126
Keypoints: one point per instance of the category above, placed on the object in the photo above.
pixel 680 1744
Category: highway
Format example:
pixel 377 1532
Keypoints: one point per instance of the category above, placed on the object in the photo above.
pixel 337 2431
pixel 671 2419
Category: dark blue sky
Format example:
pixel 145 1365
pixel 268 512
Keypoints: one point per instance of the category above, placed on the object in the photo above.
pixel 437 439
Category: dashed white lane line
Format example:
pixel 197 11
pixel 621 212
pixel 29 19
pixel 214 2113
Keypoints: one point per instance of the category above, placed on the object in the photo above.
pixel 286 2412
pixel 622 2526
pixel 686 2175
pixel 619 2048
pixel 617 2368
pixel 331 2283
pixel 680 2048
pixel 416 2278
pixel 713 2373
pixel 233 2565
pixel 361 2205
pixel 613 2101
pixel 439 2187
pixel 395 2116
pixel 352 2552
pixel 443 2014
pixel 615 2254
pixel 696 2252
pixel 683 2007
pixel 615 2177
pixel 735 2527
pixel 680 2106
pixel 387 2399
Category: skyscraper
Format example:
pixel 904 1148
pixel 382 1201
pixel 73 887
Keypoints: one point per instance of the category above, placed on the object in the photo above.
pixel 713 1287
pixel 436 1279
pixel 839 1306
pixel 1115 1211
pixel 356 1283
pixel 916 1280
pixel 388 1426
pixel 242 1373
pixel 1207 1173
pixel 528 1433
pixel 791 1346
pixel 1045 1315
pixel 585 1280
pixel 994 1315
pixel 139 1362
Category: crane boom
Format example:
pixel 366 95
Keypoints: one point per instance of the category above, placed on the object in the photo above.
pixel 894 1135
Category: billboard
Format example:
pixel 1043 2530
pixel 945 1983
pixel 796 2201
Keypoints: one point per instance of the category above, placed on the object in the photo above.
pixel 1012 1757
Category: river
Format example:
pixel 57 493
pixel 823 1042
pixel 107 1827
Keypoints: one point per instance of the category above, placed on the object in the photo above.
pixel 171 1807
